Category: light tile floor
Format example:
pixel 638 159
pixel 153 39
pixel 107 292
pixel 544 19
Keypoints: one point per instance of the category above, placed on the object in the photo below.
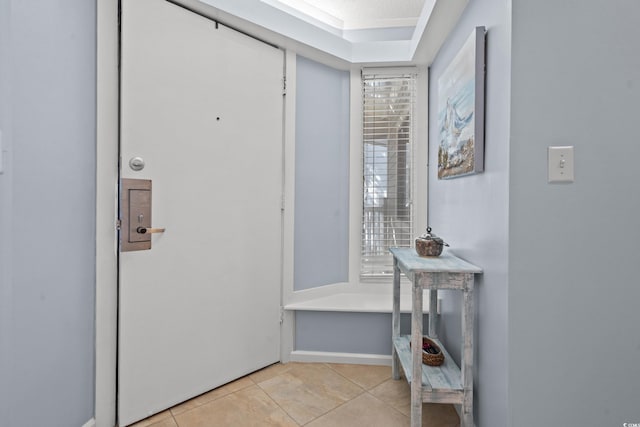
pixel 306 394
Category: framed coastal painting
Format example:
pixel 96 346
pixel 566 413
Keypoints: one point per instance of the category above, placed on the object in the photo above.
pixel 461 110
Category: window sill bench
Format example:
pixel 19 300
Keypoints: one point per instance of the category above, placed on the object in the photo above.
pixel 356 303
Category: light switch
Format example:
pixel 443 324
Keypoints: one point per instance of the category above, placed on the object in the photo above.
pixel 560 164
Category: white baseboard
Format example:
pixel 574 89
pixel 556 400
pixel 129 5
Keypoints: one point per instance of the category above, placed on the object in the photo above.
pixel 349 358
pixel 90 423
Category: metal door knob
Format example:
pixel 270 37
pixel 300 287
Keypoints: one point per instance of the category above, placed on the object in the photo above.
pixel 136 163
pixel 149 230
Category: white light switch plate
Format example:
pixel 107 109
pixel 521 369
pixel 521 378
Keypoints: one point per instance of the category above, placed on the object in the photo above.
pixel 560 164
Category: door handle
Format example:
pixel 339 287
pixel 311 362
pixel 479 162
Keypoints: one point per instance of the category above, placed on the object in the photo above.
pixel 135 215
pixel 149 230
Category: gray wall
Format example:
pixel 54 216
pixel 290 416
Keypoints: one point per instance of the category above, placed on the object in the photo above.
pixel 470 213
pixel 342 332
pixel 321 227
pixel 574 256
pixel 5 228
pixel 48 195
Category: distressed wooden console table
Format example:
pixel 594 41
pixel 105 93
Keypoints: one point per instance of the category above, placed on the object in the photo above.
pixel 440 384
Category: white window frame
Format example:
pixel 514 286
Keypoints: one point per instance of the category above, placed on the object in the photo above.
pixel 419 165
pixel 379 74
pixel 352 295
pixel 353 284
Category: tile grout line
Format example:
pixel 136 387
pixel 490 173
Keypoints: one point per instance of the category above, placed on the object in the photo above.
pixel 326 412
pixel 274 401
pixel 252 382
pixel 348 379
pixel 343 403
pixel 387 404
pixel 212 400
pixel 336 408
pixel 328 365
pixel 367 391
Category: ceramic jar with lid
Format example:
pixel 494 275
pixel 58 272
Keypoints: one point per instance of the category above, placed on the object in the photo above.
pixel 428 244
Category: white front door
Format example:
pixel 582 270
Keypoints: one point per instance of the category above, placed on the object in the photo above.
pixel 202 105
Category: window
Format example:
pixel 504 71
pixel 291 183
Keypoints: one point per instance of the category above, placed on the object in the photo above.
pixel 387 219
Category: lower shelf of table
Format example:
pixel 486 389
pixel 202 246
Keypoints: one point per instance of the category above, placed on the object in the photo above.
pixel 439 383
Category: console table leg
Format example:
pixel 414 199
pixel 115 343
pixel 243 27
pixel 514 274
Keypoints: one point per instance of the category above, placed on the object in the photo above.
pixel 416 356
pixel 467 353
pixel 467 412
pixel 395 371
pixel 433 313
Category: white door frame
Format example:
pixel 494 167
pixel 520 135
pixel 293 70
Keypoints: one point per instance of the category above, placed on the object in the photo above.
pixel 107 143
pixel 107 152
pixel 107 135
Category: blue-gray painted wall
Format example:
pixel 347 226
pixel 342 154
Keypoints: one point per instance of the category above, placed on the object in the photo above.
pixel 471 213
pixel 321 229
pixel 574 286
pixel 5 203
pixel 343 332
pixel 322 214
pixel 575 81
pixel 558 73
pixel 47 114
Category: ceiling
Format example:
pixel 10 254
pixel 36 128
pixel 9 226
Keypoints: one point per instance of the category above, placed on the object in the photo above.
pixel 351 31
pixel 358 14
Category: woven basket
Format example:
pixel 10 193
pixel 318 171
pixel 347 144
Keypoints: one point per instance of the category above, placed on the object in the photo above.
pixel 429 358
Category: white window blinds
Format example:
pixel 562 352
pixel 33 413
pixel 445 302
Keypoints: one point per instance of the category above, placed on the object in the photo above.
pixel 387 219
